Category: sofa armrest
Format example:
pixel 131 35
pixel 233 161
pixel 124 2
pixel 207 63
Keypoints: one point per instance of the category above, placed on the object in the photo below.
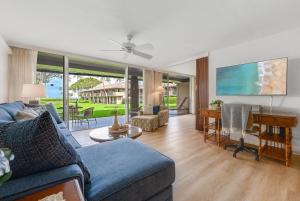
pixel 20 187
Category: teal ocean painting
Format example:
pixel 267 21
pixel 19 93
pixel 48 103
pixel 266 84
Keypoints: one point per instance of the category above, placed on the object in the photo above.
pixel 257 78
pixel 238 80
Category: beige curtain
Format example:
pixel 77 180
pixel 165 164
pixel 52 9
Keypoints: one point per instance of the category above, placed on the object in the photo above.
pixel 22 69
pixel 157 84
pixel 148 87
pixel 152 80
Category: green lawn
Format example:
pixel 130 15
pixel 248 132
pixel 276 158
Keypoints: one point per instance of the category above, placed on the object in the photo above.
pixel 172 102
pixel 100 110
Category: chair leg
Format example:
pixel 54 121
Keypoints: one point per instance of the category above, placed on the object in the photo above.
pixel 239 149
pixel 234 146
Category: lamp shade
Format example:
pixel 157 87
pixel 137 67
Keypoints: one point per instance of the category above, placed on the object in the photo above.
pixel 160 89
pixel 33 91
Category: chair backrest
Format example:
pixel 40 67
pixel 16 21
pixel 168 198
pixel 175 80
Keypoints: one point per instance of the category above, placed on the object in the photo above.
pixel 73 109
pixel 181 103
pixel 88 112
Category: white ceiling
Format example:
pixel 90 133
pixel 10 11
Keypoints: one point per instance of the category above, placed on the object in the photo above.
pixel 178 29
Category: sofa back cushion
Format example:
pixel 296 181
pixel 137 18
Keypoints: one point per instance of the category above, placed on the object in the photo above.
pixel 148 110
pixel 50 108
pixel 38 146
pixel 5 116
pixel 13 108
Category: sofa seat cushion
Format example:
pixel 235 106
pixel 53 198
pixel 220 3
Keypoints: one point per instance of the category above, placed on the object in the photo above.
pixel 125 170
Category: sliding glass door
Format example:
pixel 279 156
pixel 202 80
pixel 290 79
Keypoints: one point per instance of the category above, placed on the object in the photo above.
pixel 50 74
pixel 87 93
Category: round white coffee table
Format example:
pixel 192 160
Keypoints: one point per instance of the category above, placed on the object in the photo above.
pixel 102 134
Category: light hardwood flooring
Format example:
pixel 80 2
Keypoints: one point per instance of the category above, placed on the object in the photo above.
pixel 205 172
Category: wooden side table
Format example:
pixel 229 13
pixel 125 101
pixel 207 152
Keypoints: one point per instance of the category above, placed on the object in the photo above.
pixel 211 130
pixel 71 191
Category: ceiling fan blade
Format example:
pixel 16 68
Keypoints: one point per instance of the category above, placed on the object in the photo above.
pixel 116 42
pixel 146 46
pixel 111 50
pixel 142 54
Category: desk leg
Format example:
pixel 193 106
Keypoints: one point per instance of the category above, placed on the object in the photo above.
pixel 204 128
pixel 287 146
pixel 260 144
pixel 218 132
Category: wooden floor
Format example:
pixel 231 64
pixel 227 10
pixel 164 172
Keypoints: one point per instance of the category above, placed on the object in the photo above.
pixel 205 172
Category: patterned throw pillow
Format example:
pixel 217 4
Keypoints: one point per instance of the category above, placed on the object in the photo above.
pixel 148 110
pixel 38 146
pixel 26 114
pixel 48 107
pixel 156 109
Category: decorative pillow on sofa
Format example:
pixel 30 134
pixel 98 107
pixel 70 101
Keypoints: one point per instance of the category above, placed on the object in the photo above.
pixel 148 110
pixel 48 107
pixel 38 146
pixel 156 109
pixel 26 114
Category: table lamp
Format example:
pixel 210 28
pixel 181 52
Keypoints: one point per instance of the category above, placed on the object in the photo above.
pixel 33 92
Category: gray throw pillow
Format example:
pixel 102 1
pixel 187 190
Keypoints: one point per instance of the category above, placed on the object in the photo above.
pixel 148 110
pixel 38 146
pixel 48 107
pixel 26 114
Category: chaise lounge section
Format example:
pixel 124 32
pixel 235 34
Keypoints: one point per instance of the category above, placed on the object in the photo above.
pixel 119 170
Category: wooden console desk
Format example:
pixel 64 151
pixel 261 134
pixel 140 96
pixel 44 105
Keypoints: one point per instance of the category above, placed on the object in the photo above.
pixel 275 143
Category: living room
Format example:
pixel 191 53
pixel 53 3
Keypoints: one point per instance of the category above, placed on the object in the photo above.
pixel 138 100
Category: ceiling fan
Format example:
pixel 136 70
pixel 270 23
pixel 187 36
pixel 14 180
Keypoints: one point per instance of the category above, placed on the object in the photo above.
pixel 131 48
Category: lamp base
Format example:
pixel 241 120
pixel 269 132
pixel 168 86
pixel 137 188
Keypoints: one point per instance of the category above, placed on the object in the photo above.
pixel 34 102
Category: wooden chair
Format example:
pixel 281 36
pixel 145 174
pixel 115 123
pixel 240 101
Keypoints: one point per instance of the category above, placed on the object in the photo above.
pixel 86 115
pixel 241 147
pixel 73 112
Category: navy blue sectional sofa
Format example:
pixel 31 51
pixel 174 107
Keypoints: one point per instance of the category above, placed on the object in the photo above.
pixel 121 170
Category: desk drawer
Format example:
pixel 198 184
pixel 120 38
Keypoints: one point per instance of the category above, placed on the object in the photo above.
pixel 277 121
pixel 211 113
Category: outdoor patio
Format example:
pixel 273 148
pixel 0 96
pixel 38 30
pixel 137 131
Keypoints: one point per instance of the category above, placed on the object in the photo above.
pixel 101 122
pixel 104 121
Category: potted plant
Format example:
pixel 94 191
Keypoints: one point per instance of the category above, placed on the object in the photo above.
pixel 5 172
pixel 216 104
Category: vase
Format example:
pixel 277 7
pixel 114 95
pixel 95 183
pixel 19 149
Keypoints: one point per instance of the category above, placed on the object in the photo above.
pixel 216 107
pixel 116 125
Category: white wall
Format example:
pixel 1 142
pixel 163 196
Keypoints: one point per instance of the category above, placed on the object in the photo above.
pixel 187 68
pixel 285 44
pixel 4 51
pixel 192 95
